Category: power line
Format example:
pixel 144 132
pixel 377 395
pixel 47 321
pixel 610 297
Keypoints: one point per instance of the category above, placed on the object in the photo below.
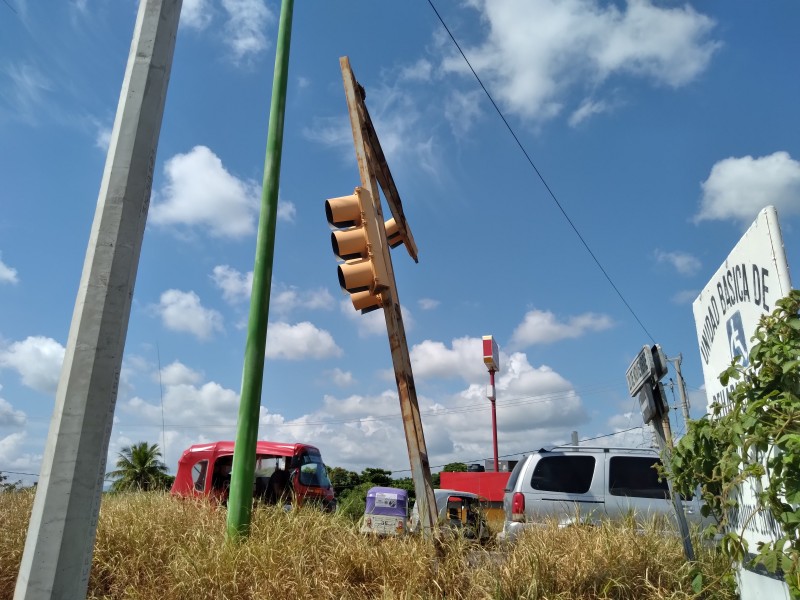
pixel 541 177
pixel 473 460
pixel 14 10
pixel 469 408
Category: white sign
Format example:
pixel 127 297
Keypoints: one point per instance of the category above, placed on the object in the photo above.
pixel 753 277
pixel 386 499
pixel 642 369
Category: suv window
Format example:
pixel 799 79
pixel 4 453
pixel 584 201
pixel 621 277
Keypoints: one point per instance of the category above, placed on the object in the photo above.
pixel 512 479
pixel 567 474
pixel 636 476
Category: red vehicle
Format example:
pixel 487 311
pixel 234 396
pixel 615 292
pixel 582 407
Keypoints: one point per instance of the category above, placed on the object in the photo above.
pixel 283 473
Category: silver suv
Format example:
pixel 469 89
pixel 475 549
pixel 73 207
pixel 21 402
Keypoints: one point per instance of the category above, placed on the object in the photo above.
pixel 579 482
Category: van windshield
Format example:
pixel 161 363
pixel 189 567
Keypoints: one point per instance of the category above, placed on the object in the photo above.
pixel 312 470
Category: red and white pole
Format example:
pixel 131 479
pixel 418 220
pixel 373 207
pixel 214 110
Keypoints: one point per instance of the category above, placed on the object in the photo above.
pixel 493 397
pixel 491 358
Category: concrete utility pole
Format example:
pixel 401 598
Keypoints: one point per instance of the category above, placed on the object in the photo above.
pixel 681 387
pixel 58 550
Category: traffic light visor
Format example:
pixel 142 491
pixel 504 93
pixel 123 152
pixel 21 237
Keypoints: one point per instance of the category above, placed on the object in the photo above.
pixel 344 211
pixel 366 301
pixel 349 243
pixel 356 275
pixel 393 237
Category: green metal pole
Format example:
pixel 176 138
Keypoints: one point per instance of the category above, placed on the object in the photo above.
pixel 240 501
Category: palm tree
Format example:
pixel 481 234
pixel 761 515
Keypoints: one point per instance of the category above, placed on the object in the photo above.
pixel 139 468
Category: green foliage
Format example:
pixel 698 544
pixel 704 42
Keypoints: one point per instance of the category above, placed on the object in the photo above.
pixel 9 487
pixel 755 433
pixel 455 467
pixel 375 476
pixel 353 502
pixel 342 479
pixel 139 468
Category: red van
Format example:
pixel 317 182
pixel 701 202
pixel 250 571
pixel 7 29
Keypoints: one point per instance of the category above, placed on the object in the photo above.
pixel 284 472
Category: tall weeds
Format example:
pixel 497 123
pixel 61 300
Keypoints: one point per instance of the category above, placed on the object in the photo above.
pixel 151 546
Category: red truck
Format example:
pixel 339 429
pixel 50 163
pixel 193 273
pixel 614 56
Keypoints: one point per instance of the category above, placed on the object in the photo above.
pixel 284 473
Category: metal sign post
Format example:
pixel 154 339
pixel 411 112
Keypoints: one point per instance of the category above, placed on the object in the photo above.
pixel 643 377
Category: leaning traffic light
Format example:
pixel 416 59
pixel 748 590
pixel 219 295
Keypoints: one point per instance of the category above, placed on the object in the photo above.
pixel 356 244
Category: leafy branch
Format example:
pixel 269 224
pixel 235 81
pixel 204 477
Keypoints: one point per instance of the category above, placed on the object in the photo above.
pixel 753 438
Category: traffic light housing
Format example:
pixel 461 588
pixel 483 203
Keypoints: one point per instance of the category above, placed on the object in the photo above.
pixel 356 241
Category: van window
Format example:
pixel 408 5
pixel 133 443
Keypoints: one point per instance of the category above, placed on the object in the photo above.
pixel 312 471
pixel 566 474
pixel 636 476
pixel 199 475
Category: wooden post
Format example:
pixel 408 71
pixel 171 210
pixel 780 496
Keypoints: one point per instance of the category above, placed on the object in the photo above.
pixel 666 455
pixel 366 153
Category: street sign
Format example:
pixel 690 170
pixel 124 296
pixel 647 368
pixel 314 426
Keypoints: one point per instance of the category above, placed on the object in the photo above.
pixel 641 370
pixel 746 286
pixel 491 355
pixel 647 404
pixel 659 362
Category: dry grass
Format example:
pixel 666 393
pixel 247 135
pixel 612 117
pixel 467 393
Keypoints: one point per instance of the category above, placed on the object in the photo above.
pixel 150 546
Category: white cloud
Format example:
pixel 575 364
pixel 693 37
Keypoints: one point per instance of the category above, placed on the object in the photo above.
pixel 182 311
pixel 462 110
pixel 27 90
pixel 341 378
pixel 14 458
pixel 396 117
pixel 285 299
pixel 9 416
pixel 629 432
pixel 428 303
pixel 201 193
pixel 543 327
pixel 685 296
pixel 7 274
pixel 422 70
pixel 698 399
pixel 537 51
pixel 187 405
pixel 463 359
pixel 103 136
pixel 374 322
pixel 234 284
pixel 196 14
pixel 683 262
pixel 236 287
pixel 536 407
pixel 287 211
pixel 587 109
pixel 176 373
pixel 301 341
pixel 247 21
pixel 330 131
pixel 38 361
pixel 738 188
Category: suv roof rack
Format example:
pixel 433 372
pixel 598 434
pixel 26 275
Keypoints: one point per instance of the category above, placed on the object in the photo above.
pixel 598 448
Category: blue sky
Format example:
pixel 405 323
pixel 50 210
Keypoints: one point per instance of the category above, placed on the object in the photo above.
pixel 661 127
